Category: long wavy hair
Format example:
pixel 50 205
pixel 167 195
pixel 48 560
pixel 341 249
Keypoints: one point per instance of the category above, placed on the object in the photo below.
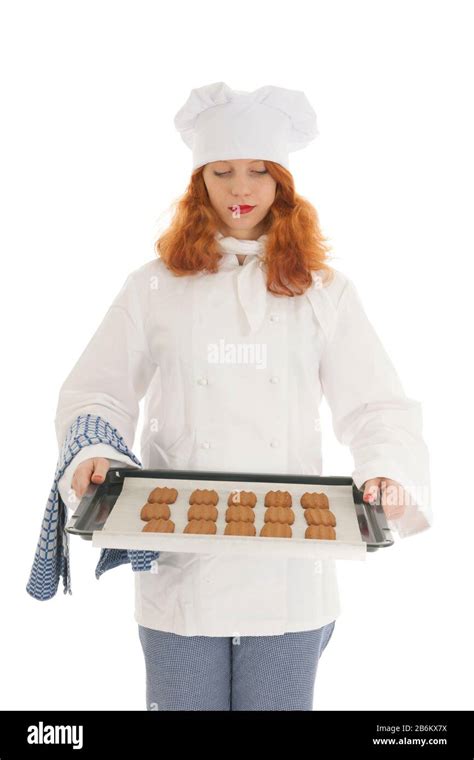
pixel 294 247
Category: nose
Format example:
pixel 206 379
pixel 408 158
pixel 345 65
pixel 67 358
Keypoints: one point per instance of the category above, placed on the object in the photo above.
pixel 240 189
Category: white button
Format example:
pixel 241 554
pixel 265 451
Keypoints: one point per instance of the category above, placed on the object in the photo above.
pixel 202 380
pixel 274 317
pixel 205 444
pixel 275 379
pixel 275 443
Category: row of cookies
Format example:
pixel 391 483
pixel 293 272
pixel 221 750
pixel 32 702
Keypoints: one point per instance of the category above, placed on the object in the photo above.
pixel 164 495
pixel 278 516
pixel 240 515
pixel 156 512
pixel 321 521
pixel 202 513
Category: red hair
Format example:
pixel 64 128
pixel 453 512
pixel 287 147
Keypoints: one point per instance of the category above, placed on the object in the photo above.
pixel 294 247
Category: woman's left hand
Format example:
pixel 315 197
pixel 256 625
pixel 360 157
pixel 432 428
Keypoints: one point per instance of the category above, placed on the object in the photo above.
pixel 394 499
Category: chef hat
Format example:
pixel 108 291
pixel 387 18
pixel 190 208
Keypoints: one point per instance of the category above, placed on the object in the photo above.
pixel 219 123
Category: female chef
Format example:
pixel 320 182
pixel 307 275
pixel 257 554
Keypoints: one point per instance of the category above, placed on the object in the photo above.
pixel 243 265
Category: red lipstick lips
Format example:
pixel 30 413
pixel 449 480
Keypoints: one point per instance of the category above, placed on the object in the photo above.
pixel 241 209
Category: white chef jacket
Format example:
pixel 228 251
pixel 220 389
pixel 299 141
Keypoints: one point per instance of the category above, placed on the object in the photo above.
pixel 233 377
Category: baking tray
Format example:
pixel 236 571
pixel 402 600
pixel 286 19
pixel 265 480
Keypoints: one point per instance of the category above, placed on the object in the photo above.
pixel 365 526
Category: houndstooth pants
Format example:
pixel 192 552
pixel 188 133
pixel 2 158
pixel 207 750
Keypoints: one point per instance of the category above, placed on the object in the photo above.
pixel 225 673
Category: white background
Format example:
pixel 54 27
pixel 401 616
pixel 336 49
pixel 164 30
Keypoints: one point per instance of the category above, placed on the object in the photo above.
pixel 90 163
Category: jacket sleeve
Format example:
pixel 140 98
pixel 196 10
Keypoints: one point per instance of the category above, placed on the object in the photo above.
pixel 114 370
pixel 371 412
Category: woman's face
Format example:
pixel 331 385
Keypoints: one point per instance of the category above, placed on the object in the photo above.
pixel 233 186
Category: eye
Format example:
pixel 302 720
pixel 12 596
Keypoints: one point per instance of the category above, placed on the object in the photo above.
pixel 222 174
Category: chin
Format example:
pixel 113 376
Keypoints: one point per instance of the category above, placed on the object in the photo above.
pixel 243 223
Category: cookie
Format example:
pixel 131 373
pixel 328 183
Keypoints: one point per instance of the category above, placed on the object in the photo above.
pixel 314 499
pixel 203 496
pixel 278 499
pixel 246 498
pixel 155 511
pixel 279 514
pixel 201 526
pixel 239 528
pixel 317 516
pixel 202 512
pixel 239 513
pixel 159 526
pixel 276 530
pixel 163 495
pixel 320 531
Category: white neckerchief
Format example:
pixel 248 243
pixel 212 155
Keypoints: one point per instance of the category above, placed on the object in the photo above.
pixel 238 247
pixel 252 283
pixel 251 279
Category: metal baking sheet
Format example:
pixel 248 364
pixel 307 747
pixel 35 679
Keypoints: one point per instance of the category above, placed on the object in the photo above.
pixel 124 528
pixel 109 514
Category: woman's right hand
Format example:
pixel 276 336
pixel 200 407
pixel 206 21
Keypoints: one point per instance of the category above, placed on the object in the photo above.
pixel 91 470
